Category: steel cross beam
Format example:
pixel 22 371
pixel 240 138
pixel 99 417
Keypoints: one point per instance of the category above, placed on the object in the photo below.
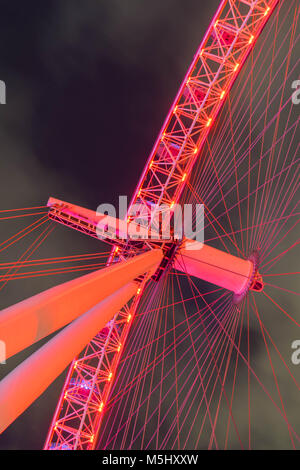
pixel 229 39
pixel 192 257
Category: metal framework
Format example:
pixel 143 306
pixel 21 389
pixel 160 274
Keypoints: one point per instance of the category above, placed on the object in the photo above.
pixel 218 61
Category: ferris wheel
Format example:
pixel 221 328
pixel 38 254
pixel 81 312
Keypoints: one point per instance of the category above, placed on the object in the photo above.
pixel 177 343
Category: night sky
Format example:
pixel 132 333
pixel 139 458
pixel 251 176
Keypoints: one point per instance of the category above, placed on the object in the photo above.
pixel 88 87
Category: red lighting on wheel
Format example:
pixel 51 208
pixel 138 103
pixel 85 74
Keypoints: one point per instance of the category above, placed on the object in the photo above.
pixel 215 66
pixel 101 407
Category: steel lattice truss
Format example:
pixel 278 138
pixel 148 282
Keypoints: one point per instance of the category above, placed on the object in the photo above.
pixel 225 47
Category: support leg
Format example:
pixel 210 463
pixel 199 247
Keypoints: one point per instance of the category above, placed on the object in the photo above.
pixel 29 380
pixel 32 319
